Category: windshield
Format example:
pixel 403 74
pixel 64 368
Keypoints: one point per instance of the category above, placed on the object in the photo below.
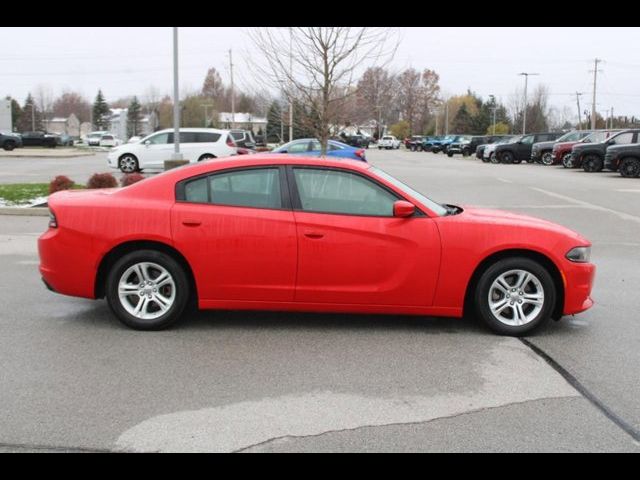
pixel 430 204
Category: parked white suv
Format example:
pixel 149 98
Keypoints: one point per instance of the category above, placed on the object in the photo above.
pixel 196 144
pixel 388 142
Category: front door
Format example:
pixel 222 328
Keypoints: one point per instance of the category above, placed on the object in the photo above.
pixel 156 150
pixel 237 231
pixel 352 250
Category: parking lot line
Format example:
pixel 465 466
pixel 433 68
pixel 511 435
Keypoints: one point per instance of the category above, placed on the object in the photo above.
pixel 575 201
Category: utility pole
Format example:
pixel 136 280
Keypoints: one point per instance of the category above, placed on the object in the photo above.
pixel 593 104
pixel 176 100
pixel 446 117
pixel 611 118
pixel 494 108
pixel 233 100
pixel 524 115
pixel 436 124
pixel 290 83
pixel 206 117
pixel 578 102
pixel 33 118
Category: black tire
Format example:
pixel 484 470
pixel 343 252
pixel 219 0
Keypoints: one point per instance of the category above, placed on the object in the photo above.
pixel 379 148
pixel 9 145
pixel 493 158
pixel 485 159
pixel 420 149
pixel 592 163
pixel 412 148
pixel 630 167
pixel 507 157
pixel 128 163
pixel 567 160
pixel 181 289
pixel 206 156
pixel 482 291
pixel 466 153
pixel 547 158
pixel 449 154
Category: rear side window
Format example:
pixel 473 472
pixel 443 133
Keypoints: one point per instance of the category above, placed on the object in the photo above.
pixel 259 188
pixel 207 137
pixel 188 137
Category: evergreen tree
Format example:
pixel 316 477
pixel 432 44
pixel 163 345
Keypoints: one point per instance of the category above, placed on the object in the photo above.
pixel 31 118
pixel 462 123
pixel 134 116
pixel 274 122
pixel 101 112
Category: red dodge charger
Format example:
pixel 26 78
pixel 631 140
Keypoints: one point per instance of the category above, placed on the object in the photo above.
pixel 276 232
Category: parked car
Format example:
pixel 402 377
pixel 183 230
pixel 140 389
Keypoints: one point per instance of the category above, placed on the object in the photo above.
pixel 414 143
pixel 624 159
pixel 109 140
pixel 63 140
pixel 93 138
pixel 442 144
pixel 279 232
pixel 489 139
pixel 590 156
pixel 39 139
pixel 432 144
pixel 561 151
pixel 358 140
pixel 196 144
pixel 520 149
pixel 389 142
pixel 243 138
pixel 489 153
pixel 311 147
pixel 10 140
pixel 542 152
pixel 458 144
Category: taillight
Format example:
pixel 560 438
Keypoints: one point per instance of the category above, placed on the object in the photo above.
pixel 53 222
pixel 360 153
pixel 230 141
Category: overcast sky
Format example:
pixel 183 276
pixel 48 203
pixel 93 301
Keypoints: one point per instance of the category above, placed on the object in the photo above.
pixel 126 61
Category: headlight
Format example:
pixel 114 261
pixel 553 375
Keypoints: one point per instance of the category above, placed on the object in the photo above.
pixel 579 254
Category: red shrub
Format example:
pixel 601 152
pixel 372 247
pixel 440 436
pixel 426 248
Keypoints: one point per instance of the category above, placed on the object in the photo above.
pixel 102 180
pixel 130 179
pixel 60 183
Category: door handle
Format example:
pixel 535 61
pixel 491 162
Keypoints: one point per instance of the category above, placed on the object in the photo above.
pixel 191 223
pixel 314 235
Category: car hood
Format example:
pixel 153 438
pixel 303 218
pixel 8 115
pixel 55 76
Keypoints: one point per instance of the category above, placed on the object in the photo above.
pixel 583 146
pixel 504 218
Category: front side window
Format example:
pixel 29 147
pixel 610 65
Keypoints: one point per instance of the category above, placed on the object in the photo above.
pixel 299 147
pixel 527 140
pixel 622 138
pixel 333 191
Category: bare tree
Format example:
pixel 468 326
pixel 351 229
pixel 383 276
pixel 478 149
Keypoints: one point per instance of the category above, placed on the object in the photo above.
pixel 44 100
pixel 72 102
pixel 375 96
pixel 319 66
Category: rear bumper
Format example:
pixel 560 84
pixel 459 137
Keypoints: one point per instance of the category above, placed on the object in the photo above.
pixel 578 282
pixel 611 163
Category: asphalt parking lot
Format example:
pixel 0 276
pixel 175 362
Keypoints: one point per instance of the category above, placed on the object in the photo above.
pixel 74 379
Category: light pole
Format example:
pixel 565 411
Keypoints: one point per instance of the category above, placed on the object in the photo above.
pixel 290 83
pixel 524 116
pixel 495 107
pixel 176 100
pixel 206 117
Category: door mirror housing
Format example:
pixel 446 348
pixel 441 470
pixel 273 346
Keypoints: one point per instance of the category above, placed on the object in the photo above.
pixel 147 142
pixel 403 209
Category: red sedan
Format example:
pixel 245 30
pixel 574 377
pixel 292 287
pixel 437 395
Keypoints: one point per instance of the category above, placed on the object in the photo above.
pixel 275 232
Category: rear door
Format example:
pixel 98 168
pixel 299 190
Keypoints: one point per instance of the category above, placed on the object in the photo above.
pixel 237 231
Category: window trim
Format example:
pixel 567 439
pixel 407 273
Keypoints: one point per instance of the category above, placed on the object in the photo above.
pixel 296 202
pixel 282 177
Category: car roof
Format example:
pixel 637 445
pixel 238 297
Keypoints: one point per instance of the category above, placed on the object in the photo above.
pixel 194 129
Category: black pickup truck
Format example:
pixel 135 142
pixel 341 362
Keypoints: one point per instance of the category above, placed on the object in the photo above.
pixel 624 159
pixel 39 139
pixel 590 156
pixel 519 150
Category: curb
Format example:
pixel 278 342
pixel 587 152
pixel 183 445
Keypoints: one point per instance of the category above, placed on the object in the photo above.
pixel 25 211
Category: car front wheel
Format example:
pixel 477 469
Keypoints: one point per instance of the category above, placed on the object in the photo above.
pixel 567 160
pixel 630 167
pixel 592 163
pixel 9 145
pixel 128 164
pixel 515 296
pixel 206 156
pixel 147 290
pixel 547 158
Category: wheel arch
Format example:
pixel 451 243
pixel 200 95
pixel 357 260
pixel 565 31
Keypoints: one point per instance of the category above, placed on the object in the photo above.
pixel 541 258
pixel 121 249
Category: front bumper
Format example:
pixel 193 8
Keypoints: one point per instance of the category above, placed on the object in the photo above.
pixel 536 155
pixel 578 283
pixel 611 162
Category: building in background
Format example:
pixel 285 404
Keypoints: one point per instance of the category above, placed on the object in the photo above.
pixel 245 121
pixel 118 123
pixel 6 123
pixel 69 126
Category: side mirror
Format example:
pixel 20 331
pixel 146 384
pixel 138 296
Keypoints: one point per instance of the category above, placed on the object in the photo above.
pixel 403 209
pixel 147 142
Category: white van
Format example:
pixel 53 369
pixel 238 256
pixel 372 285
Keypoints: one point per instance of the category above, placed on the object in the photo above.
pixel 196 144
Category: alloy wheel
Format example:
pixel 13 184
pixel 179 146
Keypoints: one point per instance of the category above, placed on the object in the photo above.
pixel 146 290
pixel 128 164
pixel 516 297
pixel 547 158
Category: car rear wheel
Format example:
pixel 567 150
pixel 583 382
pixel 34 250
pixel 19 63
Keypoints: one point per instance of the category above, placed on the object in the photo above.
pixel 206 156
pixel 506 157
pixel 515 296
pixel 592 163
pixel 547 158
pixel 147 290
pixel 630 167
pixel 128 163
pixel 9 145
